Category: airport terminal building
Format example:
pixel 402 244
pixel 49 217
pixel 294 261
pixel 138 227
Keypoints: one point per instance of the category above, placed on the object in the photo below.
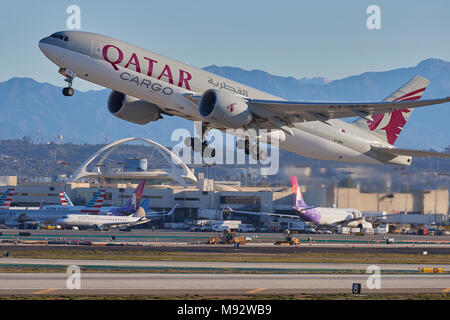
pixel 208 198
pixel 198 197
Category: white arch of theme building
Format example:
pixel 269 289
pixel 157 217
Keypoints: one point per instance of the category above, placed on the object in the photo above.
pixel 181 175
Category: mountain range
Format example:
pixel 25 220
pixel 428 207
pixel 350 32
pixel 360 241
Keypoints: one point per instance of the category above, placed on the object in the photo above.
pixel 40 111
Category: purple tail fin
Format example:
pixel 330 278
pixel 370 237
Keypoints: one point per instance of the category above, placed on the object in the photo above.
pixel 298 197
pixel 135 199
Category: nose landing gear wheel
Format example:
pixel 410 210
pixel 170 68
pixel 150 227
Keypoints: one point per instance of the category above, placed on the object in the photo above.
pixel 68 92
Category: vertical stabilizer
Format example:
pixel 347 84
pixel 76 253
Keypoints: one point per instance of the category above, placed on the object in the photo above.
pixel 387 126
pixel 6 198
pixel 96 203
pixel 297 194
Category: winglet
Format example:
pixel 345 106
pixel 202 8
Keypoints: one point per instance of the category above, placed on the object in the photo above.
pixel 172 210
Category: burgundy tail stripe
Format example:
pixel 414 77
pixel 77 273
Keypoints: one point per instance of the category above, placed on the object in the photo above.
pixel 410 94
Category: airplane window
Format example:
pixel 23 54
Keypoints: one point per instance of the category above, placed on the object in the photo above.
pixel 59 36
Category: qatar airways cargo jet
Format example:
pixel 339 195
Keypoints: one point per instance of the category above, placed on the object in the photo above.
pixel 146 85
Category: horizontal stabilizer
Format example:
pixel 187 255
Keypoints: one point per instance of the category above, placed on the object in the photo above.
pixel 410 152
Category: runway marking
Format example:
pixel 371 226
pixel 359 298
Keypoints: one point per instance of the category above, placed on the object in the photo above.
pixel 256 290
pixel 446 290
pixel 44 291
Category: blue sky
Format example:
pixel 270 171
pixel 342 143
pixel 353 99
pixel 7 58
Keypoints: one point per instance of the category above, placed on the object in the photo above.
pixel 287 38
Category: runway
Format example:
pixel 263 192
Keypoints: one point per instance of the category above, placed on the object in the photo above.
pixel 216 278
pixel 273 267
pixel 215 284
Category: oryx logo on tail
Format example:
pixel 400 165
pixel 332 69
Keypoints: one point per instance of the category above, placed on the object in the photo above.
pixel 388 126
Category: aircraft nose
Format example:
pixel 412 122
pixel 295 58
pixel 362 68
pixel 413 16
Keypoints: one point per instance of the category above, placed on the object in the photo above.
pixel 43 44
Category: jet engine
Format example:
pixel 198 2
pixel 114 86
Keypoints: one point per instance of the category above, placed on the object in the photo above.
pixel 359 224
pixel 224 109
pixel 131 109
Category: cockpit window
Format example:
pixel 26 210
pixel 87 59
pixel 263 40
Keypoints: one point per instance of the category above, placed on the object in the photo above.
pixel 59 36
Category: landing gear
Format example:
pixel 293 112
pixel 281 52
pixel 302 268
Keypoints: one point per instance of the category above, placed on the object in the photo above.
pixel 198 145
pixel 252 148
pixel 68 92
pixel 70 75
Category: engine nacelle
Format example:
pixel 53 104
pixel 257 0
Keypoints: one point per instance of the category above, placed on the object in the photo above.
pixel 224 109
pixel 132 109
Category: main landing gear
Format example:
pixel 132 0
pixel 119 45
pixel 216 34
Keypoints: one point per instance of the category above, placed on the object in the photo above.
pixel 68 91
pixel 252 148
pixel 201 145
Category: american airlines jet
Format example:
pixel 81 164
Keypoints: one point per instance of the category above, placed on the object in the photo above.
pixel 147 86
pixel 94 206
pixel 6 198
pixel 320 216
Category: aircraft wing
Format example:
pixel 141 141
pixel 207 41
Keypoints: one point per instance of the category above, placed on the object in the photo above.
pixel 160 214
pixel 323 111
pixel 114 225
pixel 264 214
pixel 281 114
pixel 410 152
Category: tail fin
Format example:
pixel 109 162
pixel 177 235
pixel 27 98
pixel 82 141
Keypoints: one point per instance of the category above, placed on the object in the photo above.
pixel 97 200
pixel 6 198
pixel 298 197
pixel 135 199
pixel 387 126
pixel 96 203
pixel 65 200
pixel 145 204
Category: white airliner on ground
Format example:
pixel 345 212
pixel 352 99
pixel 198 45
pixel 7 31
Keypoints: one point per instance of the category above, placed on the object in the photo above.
pixel 147 85
pixel 320 216
pixel 15 217
pixel 105 222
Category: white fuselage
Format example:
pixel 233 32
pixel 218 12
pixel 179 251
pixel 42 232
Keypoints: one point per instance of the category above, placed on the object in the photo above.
pixel 162 81
pixel 86 221
pixel 336 216
pixel 14 216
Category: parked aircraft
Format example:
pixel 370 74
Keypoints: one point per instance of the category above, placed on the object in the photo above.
pixel 105 222
pixel 16 217
pixel 94 206
pixel 145 86
pixel 320 216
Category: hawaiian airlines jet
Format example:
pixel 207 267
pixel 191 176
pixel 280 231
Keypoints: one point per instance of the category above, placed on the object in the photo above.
pixel 320 216
pixel 145 86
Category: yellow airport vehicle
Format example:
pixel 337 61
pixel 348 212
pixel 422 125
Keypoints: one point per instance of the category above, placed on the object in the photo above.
pixel 432 270
pixel 289 240
pixel 228 237
pixel 48 227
